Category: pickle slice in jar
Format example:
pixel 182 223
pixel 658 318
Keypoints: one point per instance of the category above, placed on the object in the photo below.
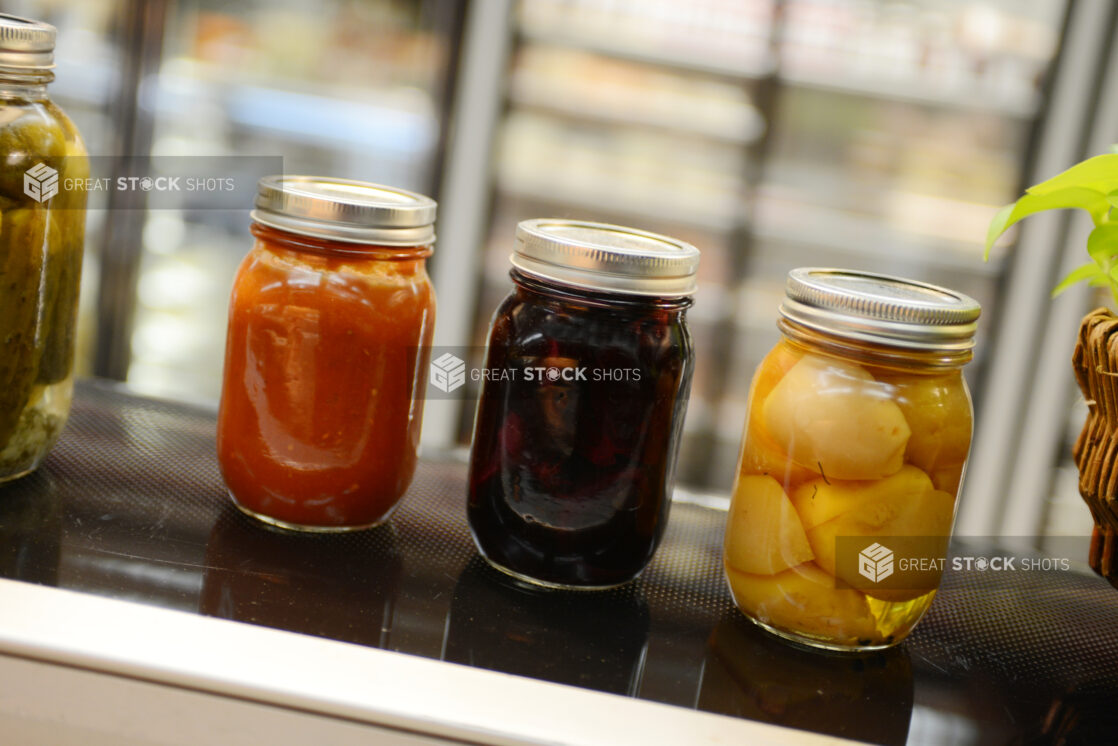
pixel 61 282
pixel 763 532
pixel 26 141
pixel 75 166
pixel 833 417
pixel 804 599
pixel 22 237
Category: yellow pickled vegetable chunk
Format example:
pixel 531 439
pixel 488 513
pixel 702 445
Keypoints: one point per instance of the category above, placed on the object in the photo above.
pixel 939 413
pixel 776 364
pixel 760 454
pixel 876 501
pixel 804 599
pixel 948 478
pixel 930 515
pixel 880 514
pixel 833 417
pixel 763 531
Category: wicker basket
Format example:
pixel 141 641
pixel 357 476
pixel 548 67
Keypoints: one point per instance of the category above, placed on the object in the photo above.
pixel 1096 450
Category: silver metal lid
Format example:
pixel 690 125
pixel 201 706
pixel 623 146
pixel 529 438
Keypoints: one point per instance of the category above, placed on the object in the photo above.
pixel 605 257
pixel 345 210
pixel 880 309
pixel 26 44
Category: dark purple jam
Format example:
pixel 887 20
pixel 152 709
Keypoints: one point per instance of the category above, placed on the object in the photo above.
pixel 577 431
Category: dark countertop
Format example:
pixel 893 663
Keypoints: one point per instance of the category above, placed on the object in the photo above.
pixel 130 505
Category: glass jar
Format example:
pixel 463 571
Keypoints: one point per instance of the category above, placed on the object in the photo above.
pixel 855 444
pixel 582 402
pixel 42 234
pixel 330 326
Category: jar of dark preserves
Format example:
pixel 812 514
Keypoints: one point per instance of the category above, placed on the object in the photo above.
pixel 582 402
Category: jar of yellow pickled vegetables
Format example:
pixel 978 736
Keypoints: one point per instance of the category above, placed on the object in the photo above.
pixel 855 444
pixel 43 164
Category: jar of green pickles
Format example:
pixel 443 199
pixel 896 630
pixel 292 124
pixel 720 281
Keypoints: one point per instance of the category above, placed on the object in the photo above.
pixel 855 443
pixel 42 231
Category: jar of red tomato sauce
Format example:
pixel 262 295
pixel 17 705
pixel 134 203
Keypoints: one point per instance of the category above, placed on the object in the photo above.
pixel 578 424
pixel 330 325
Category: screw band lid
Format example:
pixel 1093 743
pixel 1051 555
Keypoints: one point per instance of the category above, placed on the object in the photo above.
pixel 606 257
pixel 880 309
pixel 345 210
pixel 26 44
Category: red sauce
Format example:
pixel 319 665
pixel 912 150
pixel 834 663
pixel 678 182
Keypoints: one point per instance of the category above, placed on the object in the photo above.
pixel 325 368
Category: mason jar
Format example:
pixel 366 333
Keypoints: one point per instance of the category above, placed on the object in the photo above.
pixel 582 402
pixel 855 444
pixel 329 335
pixel 43 164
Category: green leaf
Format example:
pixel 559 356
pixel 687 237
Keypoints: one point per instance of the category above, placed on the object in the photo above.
pixel 1099 174
pixel 1089 271
pixel 1112 198
pixel 1102 244
pixel 998 225
pixel 1099 282
pixel 1093 201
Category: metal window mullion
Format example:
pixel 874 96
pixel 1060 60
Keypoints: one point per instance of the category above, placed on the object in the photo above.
pixel 1044 433
pixel 1020 349
pixel 122 240
pixel 465 191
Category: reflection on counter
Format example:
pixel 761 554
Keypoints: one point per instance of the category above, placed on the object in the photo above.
pixel 130 506
pixel 338 586
pixel 30 530
pixel 599 642
pixel 748 673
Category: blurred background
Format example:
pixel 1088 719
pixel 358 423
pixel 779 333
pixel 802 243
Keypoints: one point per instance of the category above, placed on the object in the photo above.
pixel 866 134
